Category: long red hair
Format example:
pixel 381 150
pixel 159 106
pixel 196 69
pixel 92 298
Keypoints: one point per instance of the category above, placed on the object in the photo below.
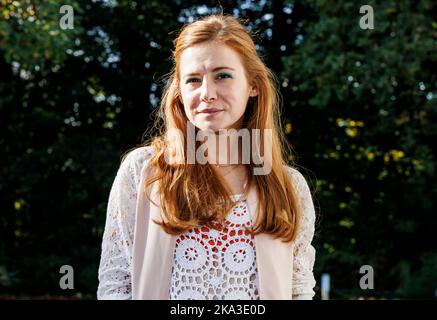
pixel 189 193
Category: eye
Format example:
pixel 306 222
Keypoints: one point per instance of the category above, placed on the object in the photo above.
pixel 219 76
pixel 224 75
pixel 190 80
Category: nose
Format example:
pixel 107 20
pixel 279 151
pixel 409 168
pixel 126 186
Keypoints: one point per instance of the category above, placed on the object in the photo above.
pixel 208 91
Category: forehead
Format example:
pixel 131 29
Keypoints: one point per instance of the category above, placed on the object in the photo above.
pixel 205 57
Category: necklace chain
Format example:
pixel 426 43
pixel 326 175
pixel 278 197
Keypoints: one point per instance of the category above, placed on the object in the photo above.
pixel 226 165
pixel 234 166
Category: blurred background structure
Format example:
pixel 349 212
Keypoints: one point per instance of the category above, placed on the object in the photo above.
pixel 359 107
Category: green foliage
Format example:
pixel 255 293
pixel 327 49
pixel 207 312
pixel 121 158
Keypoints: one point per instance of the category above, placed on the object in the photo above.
pixel 359 108
pixel 420 282
pixel 31 35
pixel 363 104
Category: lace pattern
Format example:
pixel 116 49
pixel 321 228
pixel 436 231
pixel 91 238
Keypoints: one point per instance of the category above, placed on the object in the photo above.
pixel 114 272
pixel 116 258
pixel 304 252
pixel 216 265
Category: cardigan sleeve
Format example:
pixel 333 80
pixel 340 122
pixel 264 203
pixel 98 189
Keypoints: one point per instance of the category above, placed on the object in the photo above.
pixel 114 272
pixel 304 252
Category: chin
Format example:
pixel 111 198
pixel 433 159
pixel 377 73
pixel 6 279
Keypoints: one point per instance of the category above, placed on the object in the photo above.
pixel 212 127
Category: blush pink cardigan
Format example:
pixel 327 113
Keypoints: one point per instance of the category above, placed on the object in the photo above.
pixel 137 255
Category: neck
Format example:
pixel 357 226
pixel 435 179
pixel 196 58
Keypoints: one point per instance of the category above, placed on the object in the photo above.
pixel 227 151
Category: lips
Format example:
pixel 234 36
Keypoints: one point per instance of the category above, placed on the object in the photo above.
pixel 210 111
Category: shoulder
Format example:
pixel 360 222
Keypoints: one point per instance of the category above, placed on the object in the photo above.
pixel 298 179
pixel 135 160
pixel 138 156
pixel 300 184
pixel 303 192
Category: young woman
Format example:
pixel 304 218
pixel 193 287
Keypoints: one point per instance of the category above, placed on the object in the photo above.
pixel 227 223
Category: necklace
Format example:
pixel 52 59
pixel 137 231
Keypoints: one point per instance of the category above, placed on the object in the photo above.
pixel 229 171
pixel 233 167
pixel 244 186
pixel 226 165
pixel 245 183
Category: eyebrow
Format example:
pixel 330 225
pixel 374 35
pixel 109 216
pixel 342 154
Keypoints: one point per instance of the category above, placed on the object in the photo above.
pixel 213 70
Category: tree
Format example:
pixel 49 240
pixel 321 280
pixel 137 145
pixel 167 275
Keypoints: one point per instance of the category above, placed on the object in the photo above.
pixel 358 108
pixel 362 104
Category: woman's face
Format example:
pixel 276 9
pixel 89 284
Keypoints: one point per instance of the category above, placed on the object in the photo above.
pixel 212 77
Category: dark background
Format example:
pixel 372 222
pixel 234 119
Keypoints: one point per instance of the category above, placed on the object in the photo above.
pixel 359 107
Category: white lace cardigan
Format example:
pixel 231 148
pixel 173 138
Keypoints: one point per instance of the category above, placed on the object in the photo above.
pixel 212 264
pixel 115 272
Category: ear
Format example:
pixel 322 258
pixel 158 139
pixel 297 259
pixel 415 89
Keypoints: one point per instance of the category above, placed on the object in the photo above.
pixel 253 92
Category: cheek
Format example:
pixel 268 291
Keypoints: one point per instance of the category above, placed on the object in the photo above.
pixel 185 98
pixel 189 106
pixel 188 112
pixel 234 95
pixel 239 104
